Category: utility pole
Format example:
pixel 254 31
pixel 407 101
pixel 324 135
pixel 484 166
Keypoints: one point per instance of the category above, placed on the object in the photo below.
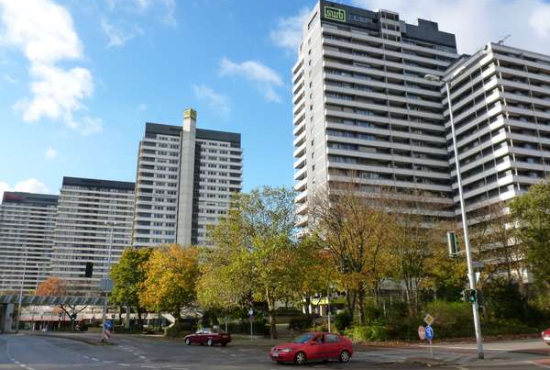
pixel 112 225
pixel 18 317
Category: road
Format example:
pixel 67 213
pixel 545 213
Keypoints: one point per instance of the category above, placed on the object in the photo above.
pixel 138 352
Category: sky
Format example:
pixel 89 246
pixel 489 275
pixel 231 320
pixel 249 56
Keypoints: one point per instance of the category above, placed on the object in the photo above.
pixel 79 78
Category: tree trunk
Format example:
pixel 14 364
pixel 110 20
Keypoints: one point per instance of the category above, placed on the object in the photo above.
pixel 120 314
pixel 140 317
pixel 272 319
pixel 308 303
pixel 350 300
pixel 361 301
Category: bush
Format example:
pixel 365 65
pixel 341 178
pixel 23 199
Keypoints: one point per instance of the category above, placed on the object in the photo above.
pixel 342 321
pixel 452 319
pixel 243 327
pixel 368 333
pixel 178 330
pixel 300 323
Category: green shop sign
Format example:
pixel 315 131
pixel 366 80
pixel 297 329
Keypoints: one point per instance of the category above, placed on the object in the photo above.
pixel 335 14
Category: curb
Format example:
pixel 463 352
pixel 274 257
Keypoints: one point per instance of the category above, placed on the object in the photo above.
pixel 76 339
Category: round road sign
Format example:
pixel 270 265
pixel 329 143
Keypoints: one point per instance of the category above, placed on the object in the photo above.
pixel 421 332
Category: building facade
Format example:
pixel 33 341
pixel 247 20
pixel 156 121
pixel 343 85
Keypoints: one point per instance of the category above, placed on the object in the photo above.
pixel 92 217
pixel 364 115
pixel 501 107
pixel 27 223
pixel 184 182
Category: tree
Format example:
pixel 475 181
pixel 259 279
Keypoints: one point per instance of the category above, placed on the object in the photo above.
pixel 129 277
pixel 256 257
pixel 55 287
pixel 531 211
pixel 51 287
pixel 171 274
pixel 358 232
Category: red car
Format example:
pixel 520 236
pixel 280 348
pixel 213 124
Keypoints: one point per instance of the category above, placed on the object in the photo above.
pixel 208 337
pixel 313 347
pixel 546 336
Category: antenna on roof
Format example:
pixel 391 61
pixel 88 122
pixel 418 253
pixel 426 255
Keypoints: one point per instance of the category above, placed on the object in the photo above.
pixel 501 41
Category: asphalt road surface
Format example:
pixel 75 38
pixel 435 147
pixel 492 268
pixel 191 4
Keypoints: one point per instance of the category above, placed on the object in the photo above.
pixel 136 352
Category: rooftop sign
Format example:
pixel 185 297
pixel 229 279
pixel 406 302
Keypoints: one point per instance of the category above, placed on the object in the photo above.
pixel 335 14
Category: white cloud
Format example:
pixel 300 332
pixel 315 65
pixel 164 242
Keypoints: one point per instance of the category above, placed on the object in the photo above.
pixel 9 79
pixel 56 93
pixel 51 153
pixel 265 78
pixel 142 107
pixel 44 32
pixel 117 35
pixel 31 186
pixel 165 9
pixel 27 186
pixel 218 102
pixel 288 32
pixel 91 125
pixel 476 22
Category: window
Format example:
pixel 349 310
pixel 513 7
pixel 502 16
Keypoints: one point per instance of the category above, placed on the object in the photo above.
pixel 332 338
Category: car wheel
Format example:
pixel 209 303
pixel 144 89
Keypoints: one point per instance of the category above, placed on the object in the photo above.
pixel 344 356
pixel 188 341
pixel 300 358
pixel 210 342
pixel 224 344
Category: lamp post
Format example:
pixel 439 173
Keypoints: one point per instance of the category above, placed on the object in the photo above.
pixel 18 318
pixel 112 224
pixel 471 276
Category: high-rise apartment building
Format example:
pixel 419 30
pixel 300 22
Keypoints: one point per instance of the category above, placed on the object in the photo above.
pixel 92 216
pixel 185 179
pixel 27 223
pixel 363 112
pixel 501 106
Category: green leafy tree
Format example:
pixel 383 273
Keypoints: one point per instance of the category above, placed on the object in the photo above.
pixel 532 214
pixel 256 258
pixel 171 275
pixel 128 277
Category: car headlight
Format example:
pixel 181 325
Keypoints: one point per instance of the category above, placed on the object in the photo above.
pixel 286 350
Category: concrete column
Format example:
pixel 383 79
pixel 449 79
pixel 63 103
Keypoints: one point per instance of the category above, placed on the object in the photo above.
pixel 186 177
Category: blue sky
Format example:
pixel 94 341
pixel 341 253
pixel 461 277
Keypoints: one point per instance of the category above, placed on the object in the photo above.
pixel 79 78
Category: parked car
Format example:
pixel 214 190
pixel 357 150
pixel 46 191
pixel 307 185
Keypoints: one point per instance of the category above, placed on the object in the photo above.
pixel 546 336
pixel 313 347
pixel 209 337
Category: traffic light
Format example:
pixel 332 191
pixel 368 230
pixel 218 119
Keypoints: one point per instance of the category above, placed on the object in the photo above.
pixel 472 296
pixel 89 270
pixel 480 299
pixel 452 243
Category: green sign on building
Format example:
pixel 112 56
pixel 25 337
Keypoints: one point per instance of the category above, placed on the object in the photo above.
pixel 335 14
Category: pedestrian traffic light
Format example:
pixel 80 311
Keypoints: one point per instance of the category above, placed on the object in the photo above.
pixel 480 298
pixel 89 270
pixel 472 296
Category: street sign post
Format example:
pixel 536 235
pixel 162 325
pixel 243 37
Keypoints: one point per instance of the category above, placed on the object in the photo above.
pixel 251 318
pixel 429 331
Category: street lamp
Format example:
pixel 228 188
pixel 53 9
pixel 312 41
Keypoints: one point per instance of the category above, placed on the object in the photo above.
pixel 112 224
pixel 18 318
pixel 471 276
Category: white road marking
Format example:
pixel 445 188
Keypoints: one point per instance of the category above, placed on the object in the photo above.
pixel 539 365
pixel 123 364
pixel 94 359
pixel 142 357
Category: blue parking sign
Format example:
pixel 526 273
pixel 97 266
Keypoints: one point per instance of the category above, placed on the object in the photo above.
pixel 429 333
pixel 108 325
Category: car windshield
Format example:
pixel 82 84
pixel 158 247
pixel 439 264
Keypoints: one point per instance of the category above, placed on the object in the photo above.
pixel 304 338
